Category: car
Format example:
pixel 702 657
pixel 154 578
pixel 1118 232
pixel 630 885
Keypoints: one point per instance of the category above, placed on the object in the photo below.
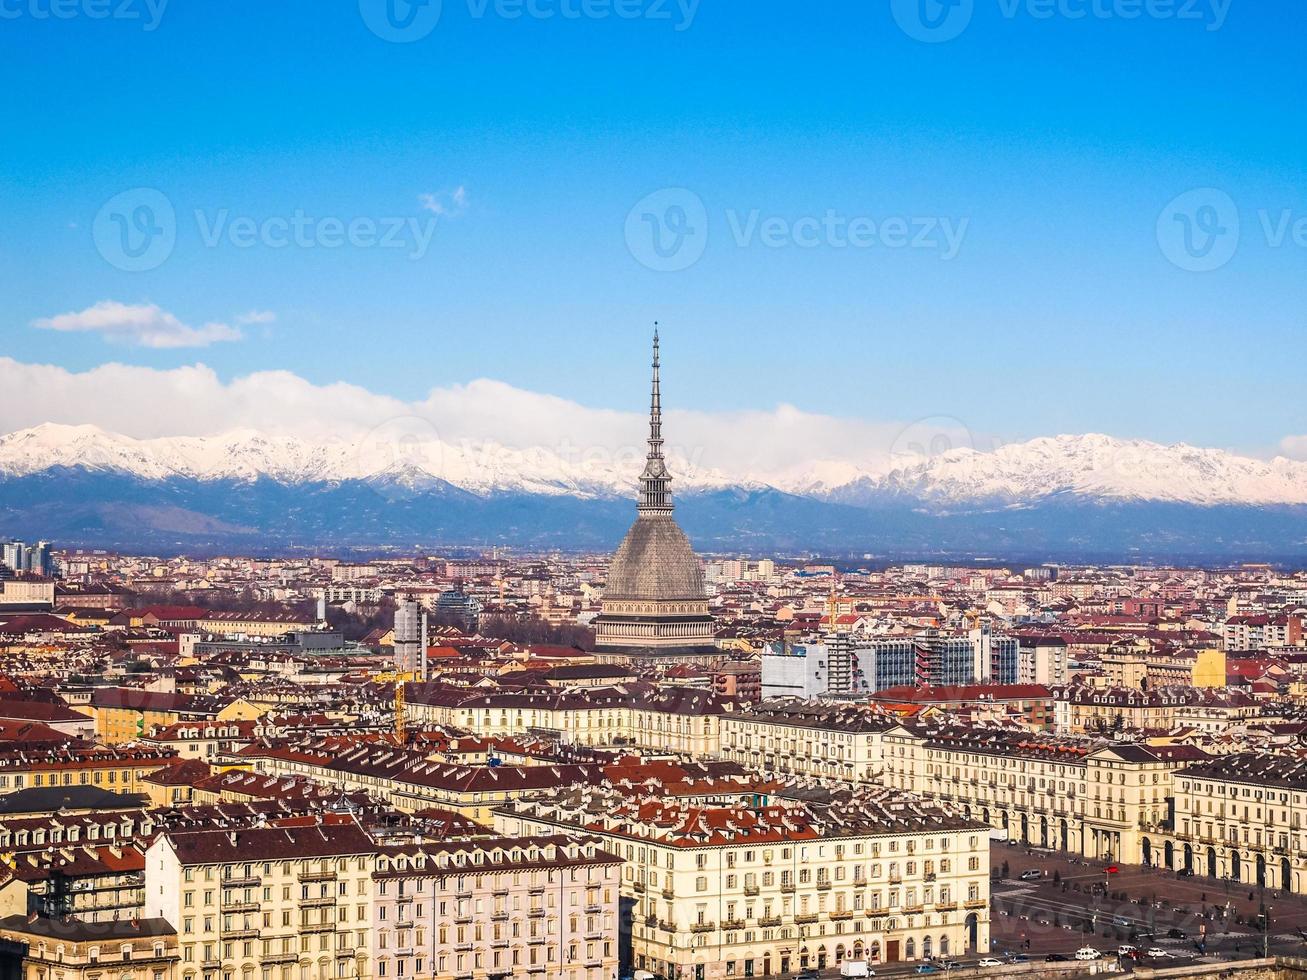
pixel 1125 949
pixel 990 961
pixel 1113 869
pixel 1056 958
pixel 1157 952
pixel 927 968
pixel 1031 874
pixel 1175 934
pixel 1185 873
pixel 1088 953
pixel 1122 922
pixel 809 974
pixel 951 964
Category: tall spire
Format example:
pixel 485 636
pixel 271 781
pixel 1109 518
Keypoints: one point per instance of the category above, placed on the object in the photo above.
pixel 655 483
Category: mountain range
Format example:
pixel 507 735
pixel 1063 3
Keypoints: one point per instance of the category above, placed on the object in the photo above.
pixel 1089 497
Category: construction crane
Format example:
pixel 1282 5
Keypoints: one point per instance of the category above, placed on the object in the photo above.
pixel 401 723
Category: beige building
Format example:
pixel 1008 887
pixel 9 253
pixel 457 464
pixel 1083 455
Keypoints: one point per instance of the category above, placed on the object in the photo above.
pixel 1067 793
pixel 727 884
pixel 1240 817
pixel 281 903
pixel 55 949
pixel 808 738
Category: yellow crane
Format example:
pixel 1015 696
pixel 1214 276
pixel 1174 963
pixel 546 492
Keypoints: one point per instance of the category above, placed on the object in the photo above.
pixel 401 725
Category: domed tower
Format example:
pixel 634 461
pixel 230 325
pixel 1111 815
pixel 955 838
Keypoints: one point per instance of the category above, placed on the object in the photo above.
pixel 655 607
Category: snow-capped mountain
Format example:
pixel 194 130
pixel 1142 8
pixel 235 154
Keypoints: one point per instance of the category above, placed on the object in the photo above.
pixel 1094 467
pixel 1090 466
pixel 404 452
pixel 1089 497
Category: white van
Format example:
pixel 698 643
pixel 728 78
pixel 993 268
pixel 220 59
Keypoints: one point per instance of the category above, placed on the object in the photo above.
pixel 855 968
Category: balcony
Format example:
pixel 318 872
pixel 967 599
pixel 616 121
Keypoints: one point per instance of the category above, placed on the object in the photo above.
pixel 241 933
pixel 246 882
pixel 803 918
pixel 787 887
pixel 638 886
pixel 666 926
pixel 841 914
pixel 751 890
pixel 269 959
pixel 236 908
pixel 823 886
pixel 769 921
pixel 536 913
pixel 912 909
pixel 669 893
pixel 975 903
pixel 317 876
pixel 316 903
pixel 732 924
pixel 895 878
pixel 650 921
pixel 945 906
pixel 499 915
pixel 703 926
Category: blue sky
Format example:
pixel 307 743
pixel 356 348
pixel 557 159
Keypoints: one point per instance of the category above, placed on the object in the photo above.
pixel 1049 143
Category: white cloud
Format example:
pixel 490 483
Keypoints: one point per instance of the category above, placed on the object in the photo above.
pixel 256 316
pixel 143 325
pixel 145 403
pixel 1295 447
pixel 447 204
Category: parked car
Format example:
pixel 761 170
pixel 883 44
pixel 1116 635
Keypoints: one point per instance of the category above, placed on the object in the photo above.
pixel 1175 934
pixel 1157 952
pixel 809 974
pixel 1031 874
pixel 1185 873
pixel 1088 953
pixel 927 968
pixel 1125 949
pixel 1056 958
pixel 990 961
pixel 1113 869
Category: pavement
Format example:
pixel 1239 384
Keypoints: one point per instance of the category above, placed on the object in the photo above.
pixel 1078 903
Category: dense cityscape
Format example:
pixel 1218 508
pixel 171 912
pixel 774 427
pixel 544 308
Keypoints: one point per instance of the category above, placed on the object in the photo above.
pixel 644 764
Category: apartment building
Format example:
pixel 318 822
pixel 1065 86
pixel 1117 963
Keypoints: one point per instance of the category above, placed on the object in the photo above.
pixel 1238 817
pixel 409 780
pixel 674 720
pixel 69 949
pixel 807 738
pixel 1068 793
pixel 508 907
pixel 731 883
pixel 119 769
pixel 281 903
pixel 1080 708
